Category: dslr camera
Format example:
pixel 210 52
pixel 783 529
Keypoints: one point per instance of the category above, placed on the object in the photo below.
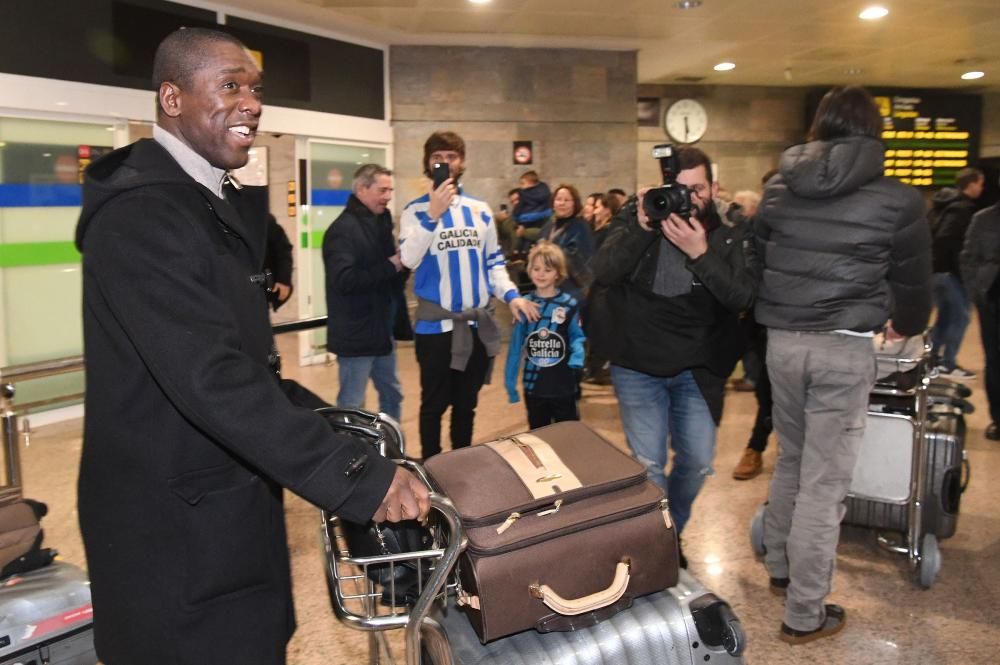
pixel 660 202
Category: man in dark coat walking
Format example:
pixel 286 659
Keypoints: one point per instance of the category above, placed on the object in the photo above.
pixel 364 292
pixel 190 435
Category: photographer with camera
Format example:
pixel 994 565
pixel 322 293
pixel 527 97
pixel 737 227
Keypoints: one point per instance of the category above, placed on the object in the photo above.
pixel 672 277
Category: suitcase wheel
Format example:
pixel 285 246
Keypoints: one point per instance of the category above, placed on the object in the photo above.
pixel 930 560
pixel 757 532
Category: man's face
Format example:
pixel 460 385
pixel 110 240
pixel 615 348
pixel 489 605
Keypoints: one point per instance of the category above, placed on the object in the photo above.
pixel 975 189
pixel 376 196
pixel 454 160
pixel 218 111
pixel 696 180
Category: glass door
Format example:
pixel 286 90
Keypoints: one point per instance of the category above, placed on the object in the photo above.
pixel 41 166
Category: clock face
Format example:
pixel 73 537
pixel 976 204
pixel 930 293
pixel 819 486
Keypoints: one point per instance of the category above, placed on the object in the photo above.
pixel 685 121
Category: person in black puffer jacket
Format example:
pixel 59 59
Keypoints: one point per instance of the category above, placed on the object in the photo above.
pixel 364 292
pixel 980 260
pixel 843 247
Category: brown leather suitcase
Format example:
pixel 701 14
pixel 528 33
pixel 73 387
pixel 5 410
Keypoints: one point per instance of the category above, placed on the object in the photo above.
pixel 564 530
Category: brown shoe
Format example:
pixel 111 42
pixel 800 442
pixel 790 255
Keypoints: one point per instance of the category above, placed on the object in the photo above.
pixel 749 466
pixel 836 617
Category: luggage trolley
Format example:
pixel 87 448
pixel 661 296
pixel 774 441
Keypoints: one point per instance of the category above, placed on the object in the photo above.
pixel 890 486
pixel 685 624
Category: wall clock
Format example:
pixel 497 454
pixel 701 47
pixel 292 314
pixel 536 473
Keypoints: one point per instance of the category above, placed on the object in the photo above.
pixel 685 121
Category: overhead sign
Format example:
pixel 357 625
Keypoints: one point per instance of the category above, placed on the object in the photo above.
pixel 929 136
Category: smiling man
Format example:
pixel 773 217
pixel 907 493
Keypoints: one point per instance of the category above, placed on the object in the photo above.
pixel 190 434
pixel 364 292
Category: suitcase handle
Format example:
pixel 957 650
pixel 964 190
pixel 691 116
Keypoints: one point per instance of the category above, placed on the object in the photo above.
pixel 595 601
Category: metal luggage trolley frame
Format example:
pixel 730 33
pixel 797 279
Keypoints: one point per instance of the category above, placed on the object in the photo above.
pixel 356 598
pixel 920 548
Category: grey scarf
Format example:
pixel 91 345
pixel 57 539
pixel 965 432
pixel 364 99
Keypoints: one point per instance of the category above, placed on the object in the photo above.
pixel 461 339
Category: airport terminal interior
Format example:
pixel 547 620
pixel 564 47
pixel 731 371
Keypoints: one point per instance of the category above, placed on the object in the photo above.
pixel 579 91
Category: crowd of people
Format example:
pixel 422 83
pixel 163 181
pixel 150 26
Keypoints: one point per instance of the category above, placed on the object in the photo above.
pixel 191 433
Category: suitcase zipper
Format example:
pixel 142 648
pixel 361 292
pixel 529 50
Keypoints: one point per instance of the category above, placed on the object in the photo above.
pixel 567 498
pixel 660 504
pixel 513 517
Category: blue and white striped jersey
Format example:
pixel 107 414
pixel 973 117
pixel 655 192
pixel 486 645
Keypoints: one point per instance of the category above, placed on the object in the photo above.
pixel 457 259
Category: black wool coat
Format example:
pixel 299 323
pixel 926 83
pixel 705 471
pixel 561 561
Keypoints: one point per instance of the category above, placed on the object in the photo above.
pixel 363 288
pixel 189 434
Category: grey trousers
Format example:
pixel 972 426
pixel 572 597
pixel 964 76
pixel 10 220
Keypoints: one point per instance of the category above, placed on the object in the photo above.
pixel 820 383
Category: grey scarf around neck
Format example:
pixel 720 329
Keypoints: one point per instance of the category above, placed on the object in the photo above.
pixel 672 275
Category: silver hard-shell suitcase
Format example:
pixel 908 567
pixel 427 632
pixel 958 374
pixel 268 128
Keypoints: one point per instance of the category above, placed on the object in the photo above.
pixel 681 625
pixel 47 617
pixel 945 467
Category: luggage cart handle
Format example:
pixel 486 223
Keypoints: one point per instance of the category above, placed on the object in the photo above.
pixel 456 544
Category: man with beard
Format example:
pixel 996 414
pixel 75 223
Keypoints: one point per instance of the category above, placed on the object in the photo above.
pixel 667 317
pixel 450 240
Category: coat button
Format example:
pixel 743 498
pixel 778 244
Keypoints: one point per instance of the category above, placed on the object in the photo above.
pixel 356 466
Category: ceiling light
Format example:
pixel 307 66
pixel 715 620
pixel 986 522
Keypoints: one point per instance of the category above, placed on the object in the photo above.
pixel 724 66
pixel 969 76
pixel 480 2
pixel 853 71
pixel 688 4
pixel 62 103
pixel 873 13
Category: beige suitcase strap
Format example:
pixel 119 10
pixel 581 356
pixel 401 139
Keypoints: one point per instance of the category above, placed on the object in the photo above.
pixel 536 464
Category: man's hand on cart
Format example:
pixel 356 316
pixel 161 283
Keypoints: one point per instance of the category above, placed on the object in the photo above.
pixel 407 499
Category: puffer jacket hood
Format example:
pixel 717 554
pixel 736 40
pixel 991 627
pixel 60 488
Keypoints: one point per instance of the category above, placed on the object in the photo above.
pixel 944 197
pixel 825 169
pixel 121 171
pixel 844 247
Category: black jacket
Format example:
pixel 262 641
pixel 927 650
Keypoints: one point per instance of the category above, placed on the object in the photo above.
pixel 949 234
pixel 363 288
pixel 663 336
pixel 189 434
pixel 841 244
pixel 981 255
pixel 575 238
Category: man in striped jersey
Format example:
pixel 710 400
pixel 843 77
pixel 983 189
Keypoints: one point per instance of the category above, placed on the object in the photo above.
pixel 450 240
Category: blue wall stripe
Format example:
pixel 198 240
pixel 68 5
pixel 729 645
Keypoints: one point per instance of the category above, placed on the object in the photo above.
pixel 330 197
pixel 23 195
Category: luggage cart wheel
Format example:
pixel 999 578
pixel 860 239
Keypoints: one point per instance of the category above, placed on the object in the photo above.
pixel 930 560
pixel 757 532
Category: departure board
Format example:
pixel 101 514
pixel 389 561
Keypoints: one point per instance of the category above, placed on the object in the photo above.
pixel 929 135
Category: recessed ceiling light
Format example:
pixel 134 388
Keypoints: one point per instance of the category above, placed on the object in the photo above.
pixel 688 4
pixel 969 76
pixel 480 2
pixel 62 103
pixel 873 13
pixel 853 71
pixel 724 66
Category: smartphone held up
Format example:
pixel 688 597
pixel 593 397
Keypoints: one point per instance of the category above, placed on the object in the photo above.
pixel 441 172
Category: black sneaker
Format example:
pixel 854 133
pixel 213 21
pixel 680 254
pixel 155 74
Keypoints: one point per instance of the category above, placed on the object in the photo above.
pixel 836 617
pixel 993 432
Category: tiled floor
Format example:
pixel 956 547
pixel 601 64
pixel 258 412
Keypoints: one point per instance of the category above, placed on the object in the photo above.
pixel 890 619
